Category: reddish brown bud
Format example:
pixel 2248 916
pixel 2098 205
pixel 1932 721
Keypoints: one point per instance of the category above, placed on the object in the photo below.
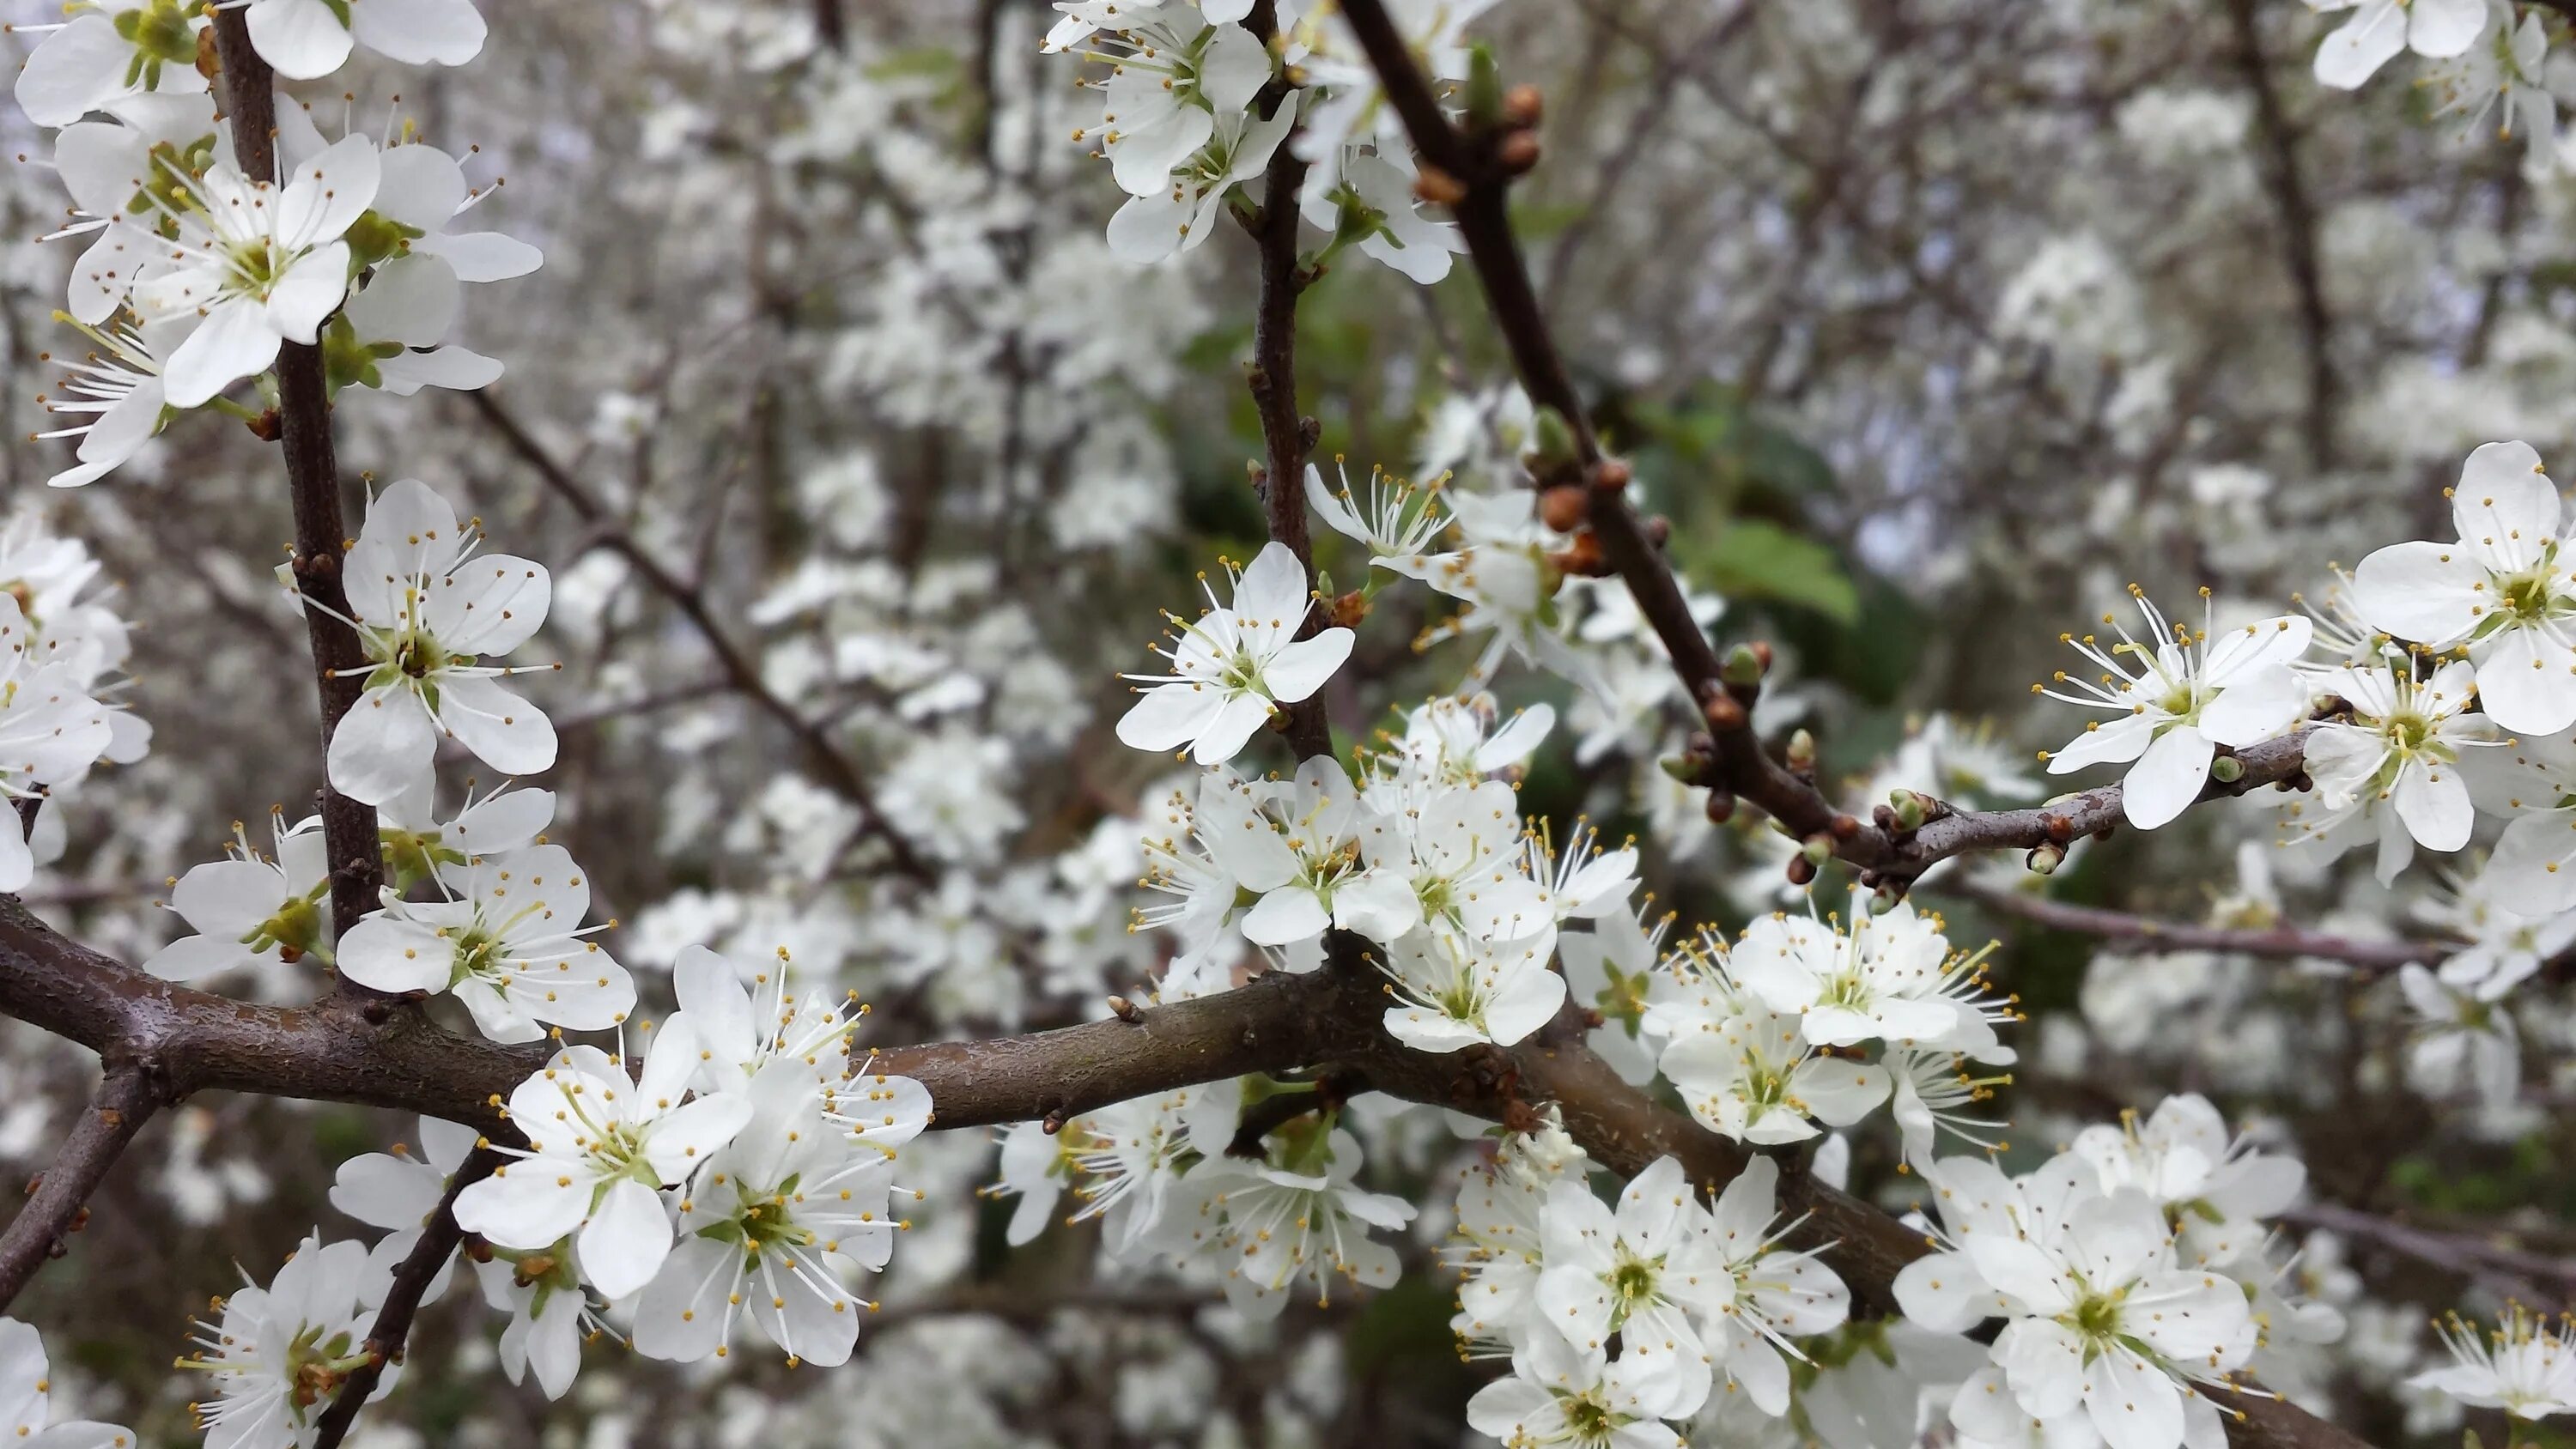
pixel 1518 152
pixel 1844 827
pixel 1761 650
pixel 264 427
pixel 1348 610
pixel 1522 105
pixel 2060 829
pixel 1611 474
pixel 1582 557
pixel 1723 713
pixel 1439 187
pixel 1801 870
pixel 1658 530
pixel 1721 807
pixel 1562 507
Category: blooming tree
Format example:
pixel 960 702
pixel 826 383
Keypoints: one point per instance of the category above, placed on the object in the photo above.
pixel 1105 1040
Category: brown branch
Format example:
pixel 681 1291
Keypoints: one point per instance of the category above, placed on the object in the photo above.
pixel 2147 933
pixel 313 475
pixel 1619 1125
pixel 2298 214
pixel 339 1049
pixel 1276 1023
pixel 1286 436
pixel 184 1041
pixel 828 761
pixel 439 1238
pixel 57 1201
pixel 2539 1281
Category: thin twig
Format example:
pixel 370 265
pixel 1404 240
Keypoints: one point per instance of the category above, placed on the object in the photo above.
pixel 829 761
pixel 313 475
pixel 439 1237
pixel 1286 435
pixel 2147 933
pixel 57 1201
pixel 2298 212
pixel 2525 1277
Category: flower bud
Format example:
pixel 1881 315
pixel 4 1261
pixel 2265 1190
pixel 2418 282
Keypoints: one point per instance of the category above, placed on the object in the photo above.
pixel 1721 807
pixel 1818 848
pixel 1802 753
pixel 1522 105
pixel 1553 445
pixel 1909 809
pixel 1883 900
pixel 1743 665
pixel 1439 187
pixel 2045 859
pixel 1563 506
pixel 1485 101
pixel 1723 713
pixel 1611 474
pixel 1681 767
pixel 1801 870
pixel 1518 153
pixel 2227 769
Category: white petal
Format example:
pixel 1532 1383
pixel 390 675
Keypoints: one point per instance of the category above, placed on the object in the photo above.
pixel 2167 778
pixel 625 1241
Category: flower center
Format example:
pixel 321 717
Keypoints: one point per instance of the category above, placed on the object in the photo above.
pixel 1588 1419
pixel 294 930
pixel 2406 732
pixel 161 35
pixel 1632 1286
pixel 2527 595
pixel 2097 1317
pixel 316 1365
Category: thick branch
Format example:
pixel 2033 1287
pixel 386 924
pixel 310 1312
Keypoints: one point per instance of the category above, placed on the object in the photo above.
pixel 339 1049
pixel 57 1201
pixel 1274 1024
pixel 439 1238
pixel 828 761
pixel 313 475
pixel 2146 933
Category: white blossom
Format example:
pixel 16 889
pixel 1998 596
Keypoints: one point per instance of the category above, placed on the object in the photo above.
pixel 1235 664
pixel 600 1146
pixel 428 607
pixel 2179 695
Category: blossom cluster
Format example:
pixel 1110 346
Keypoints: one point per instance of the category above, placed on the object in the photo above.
pixel 743 1176
pixel 198 266
pixel 63 648
pixel 1196 105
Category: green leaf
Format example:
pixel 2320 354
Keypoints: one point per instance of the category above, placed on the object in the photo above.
pixel 1751 558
